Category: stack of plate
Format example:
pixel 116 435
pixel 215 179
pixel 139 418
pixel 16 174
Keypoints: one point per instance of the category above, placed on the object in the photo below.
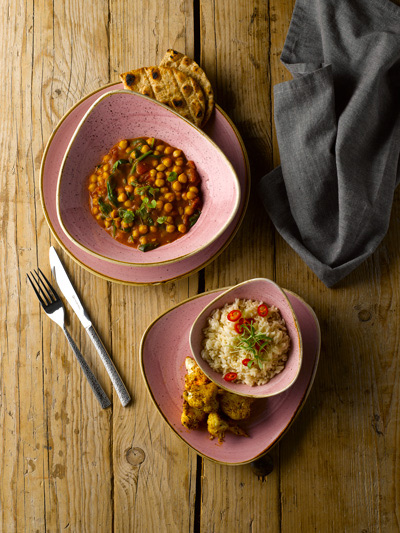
pixel 219 128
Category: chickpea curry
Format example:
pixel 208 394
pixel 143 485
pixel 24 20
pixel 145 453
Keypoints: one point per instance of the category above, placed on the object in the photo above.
pixel 145 193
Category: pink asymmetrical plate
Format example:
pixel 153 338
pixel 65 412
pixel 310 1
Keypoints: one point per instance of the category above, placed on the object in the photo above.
pixel 162 359
pixel 219 128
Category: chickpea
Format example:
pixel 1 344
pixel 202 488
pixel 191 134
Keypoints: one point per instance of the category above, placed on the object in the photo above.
pixel 131 180
pixel 163 190
pixel 143 240
pixel 154 163
pixel 122 197
pixel 177 153
pixel 135 233
pixel 168 150
pixel 177 169
pixel 177 186
pixel 170 228
pixel 107 223
pixel 125 224
pixel 123 144
pixel 129 189
pixel 114 213
pixel 106 158
pixel 93 178
pixel 191 195
pixel 95 210
pixel 194 189
pixel 189 210
pixel 117 222
pixel 184 196
pixel 153 173
pixel 180 210
pixel 105 175
pixel 150 140
pixel 156 152
pixel 120 190
pixel 95 201
pixel 168 208
pixel 153 229
pixel 99 216
pixel 170 196
pixel 136 191
pixel 160 148
pixel 106 167
pixel 159 182
pixel 182 178
pixel 143 229
pixel 159 204
pixel 179 162
pixel 182 228
pixel 145 148
pixel 128 203
pixel 170 220
pixel 160 175
pixel 92 187
pixel 167 161
pixel 160 167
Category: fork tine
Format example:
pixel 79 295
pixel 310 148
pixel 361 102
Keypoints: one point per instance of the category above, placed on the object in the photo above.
pixel 34 288
pixel 50 285
pixel 42 288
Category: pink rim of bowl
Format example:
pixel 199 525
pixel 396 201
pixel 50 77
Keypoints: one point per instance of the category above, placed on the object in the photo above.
pixel 220 128
pixel 121 115
pixel 162 360
pixel 268 292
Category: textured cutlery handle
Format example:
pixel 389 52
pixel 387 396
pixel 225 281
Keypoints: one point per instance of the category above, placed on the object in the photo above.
pixel 101 396
pixel 116 380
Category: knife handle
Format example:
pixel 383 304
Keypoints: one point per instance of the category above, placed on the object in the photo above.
pixel 101 396
pixel 116 380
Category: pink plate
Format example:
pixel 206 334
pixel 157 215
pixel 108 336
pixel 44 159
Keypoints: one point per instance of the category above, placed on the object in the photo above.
pixel 163 369
pixel 270 293
pixel 223 132
pixel 125 115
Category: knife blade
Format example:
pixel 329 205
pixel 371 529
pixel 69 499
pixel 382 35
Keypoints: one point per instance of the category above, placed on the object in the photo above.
pixel 66 287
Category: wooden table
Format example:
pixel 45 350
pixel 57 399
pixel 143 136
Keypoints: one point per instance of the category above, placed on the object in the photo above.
pixel 68 466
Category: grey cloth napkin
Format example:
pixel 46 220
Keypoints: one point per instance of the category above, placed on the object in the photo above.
pixel 338 129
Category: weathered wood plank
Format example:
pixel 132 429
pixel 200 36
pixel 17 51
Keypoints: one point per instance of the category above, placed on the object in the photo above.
pixel 235 54
pixel 154 472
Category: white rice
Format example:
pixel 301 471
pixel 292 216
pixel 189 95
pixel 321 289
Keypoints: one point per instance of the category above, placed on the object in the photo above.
pixel 221 350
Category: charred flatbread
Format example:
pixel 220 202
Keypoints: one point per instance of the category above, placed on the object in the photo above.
pixel 169 86
pixel 189 67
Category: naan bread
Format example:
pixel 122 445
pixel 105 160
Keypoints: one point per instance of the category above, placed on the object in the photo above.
pixel 171 87
pixel 189 67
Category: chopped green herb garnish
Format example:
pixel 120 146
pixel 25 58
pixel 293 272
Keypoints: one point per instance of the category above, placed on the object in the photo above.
pixel 114 231
pixel 172 176
pixel 161 220
pixel 133 169
pixel 127 216
pixel 148 246
pixel 154 191
pixel 194 218
pixel 253 343
pixel 153 204
pixel 117 163
pixel 110 193
pixel 105 208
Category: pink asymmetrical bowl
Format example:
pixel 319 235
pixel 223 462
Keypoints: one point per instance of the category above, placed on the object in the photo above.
pixel 268 292
pixel 121 115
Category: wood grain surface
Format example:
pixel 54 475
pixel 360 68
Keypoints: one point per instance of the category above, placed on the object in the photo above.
pixel 66 465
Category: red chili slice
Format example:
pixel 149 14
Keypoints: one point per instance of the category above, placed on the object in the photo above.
pixel 245 362
pixel 250 320
pixel 234 315
pixel 230 376
pixel 239 325
pixel 262 310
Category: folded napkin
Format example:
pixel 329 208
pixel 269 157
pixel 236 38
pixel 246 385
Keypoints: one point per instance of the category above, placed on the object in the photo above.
pixel 338 129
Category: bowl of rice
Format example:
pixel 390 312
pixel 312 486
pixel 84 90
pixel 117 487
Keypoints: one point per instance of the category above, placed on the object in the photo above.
pixel 248 340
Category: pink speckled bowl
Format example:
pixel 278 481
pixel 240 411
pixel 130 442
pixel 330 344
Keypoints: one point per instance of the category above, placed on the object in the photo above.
pixel 125 114
pixel 270 293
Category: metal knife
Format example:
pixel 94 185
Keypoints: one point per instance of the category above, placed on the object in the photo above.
pixel 69 292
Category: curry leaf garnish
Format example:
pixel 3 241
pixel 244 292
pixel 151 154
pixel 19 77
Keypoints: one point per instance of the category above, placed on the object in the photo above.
pixel 110 193
pixel 148 246
pixel 117 163
pixel 172 176
pixel 105 208
pixel 194 218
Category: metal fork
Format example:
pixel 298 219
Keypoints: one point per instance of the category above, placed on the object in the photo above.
pixel 54 308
